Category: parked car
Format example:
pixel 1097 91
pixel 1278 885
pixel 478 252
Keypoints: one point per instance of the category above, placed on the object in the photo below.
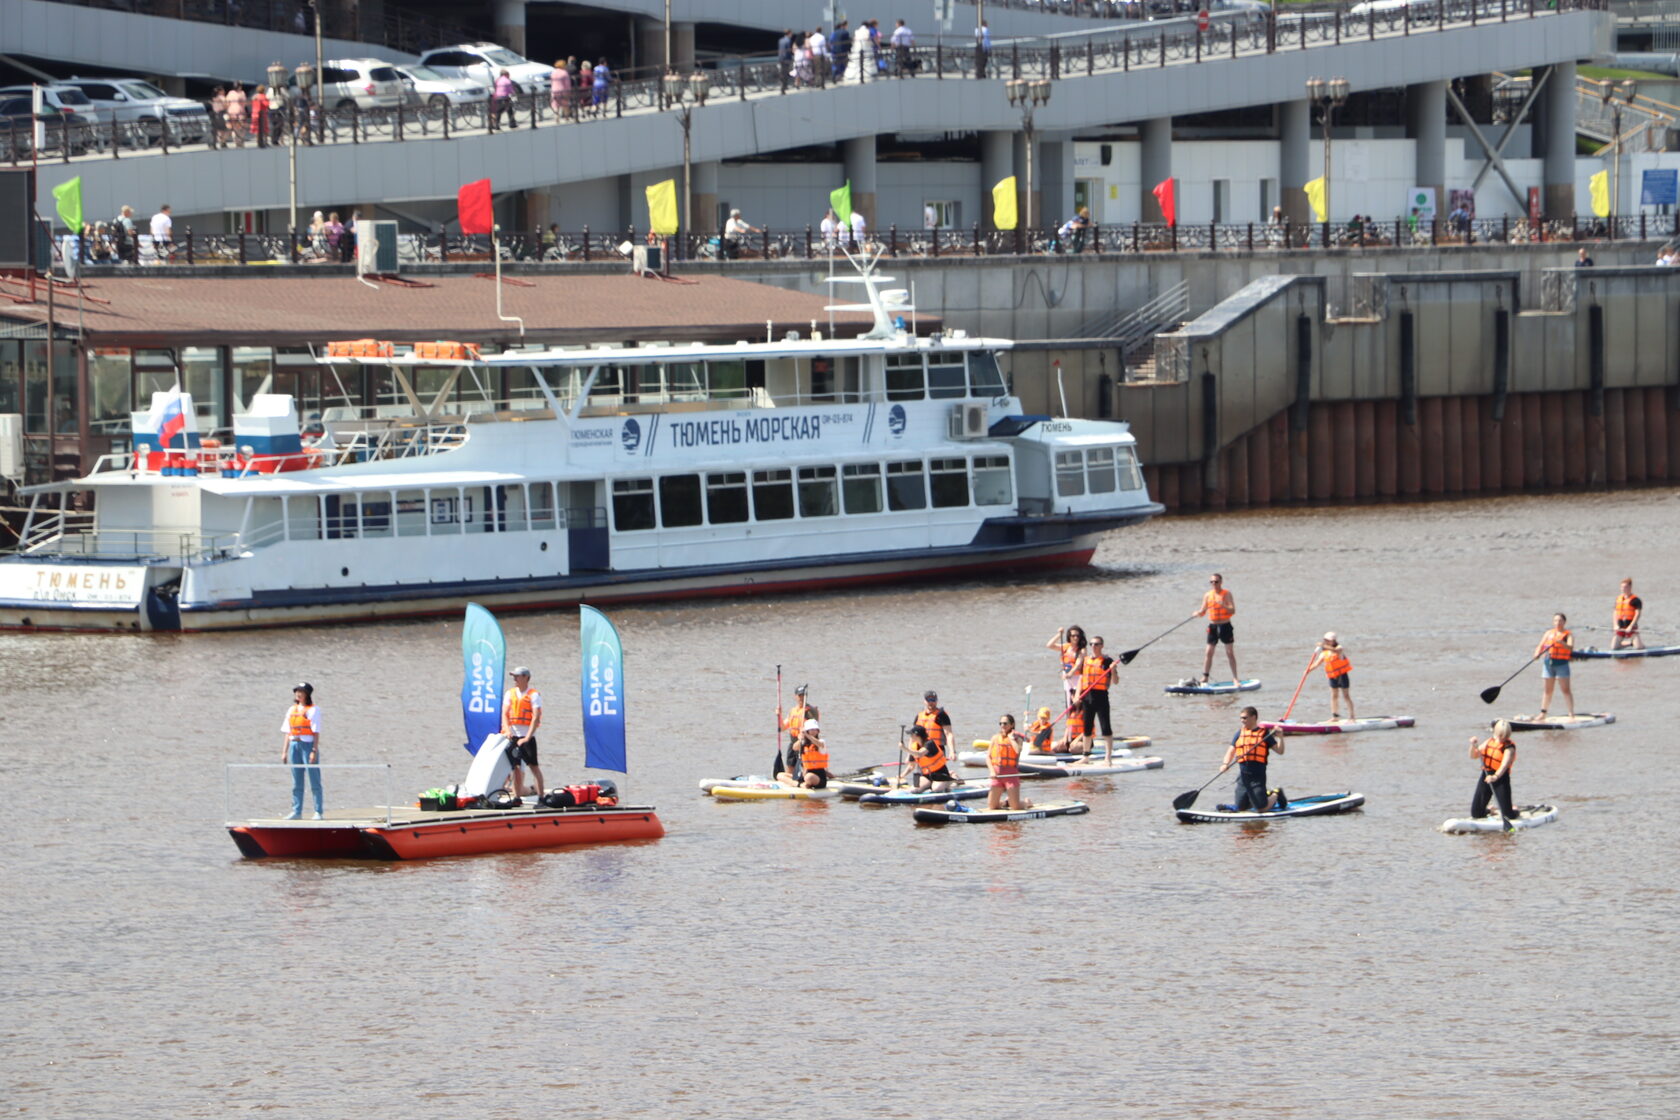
pixel 439 91
pixel 483 62
pixel 68 112
pixel 367 83
pixel 146 109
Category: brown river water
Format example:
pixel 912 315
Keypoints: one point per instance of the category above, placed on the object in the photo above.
pixel 818 959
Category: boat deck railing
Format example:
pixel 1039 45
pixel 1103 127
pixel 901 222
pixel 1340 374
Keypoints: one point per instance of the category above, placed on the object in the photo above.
pixel 60 539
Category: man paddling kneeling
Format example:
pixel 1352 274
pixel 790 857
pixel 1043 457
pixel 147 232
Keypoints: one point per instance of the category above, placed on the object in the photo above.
pixel 1249 749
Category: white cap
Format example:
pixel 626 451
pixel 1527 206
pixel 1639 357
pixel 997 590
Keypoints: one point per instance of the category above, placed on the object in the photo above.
pixel 811 725
pixel 1330 637
pixel 521 671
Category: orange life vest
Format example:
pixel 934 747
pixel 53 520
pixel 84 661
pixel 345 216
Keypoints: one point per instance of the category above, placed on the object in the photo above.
pixel 1493 756
pixel 1005 753
pixel 1096 675
pixel 1625 610
pixel 1559 649
pixel 929 722
pixel 1218 606
pixel 298 725
pixel 1039 732
pixel 1336 662
pixel 1076 725
pixel 519 708
pixel 1070 657
pixel 796 720
pixel 813 756
pixel 1252 745
pixel 931 765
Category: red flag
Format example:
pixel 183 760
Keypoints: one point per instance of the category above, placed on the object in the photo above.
pixel 474 202
pixel 1165 195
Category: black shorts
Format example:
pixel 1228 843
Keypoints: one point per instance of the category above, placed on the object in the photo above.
pixel 1339 682
pixel 942 774
pixel 1096 713
pixel 522 755
pixel 820 775
pixel 1221 632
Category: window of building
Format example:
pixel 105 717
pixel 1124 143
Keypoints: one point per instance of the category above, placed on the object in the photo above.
pixel 11 375
pixel 860 486
pixel 679 500
pixel 948 480
pixel 941 213
pixel 1099 469
pixel 905 488
pixel 1070 473
pixel 818 496
pixel 772 495
pixel 253 373
pixel 632 504
pixel 726 498
pixel 201 376
pixel 992 483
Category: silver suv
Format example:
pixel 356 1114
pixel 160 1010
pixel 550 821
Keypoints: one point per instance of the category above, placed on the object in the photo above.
pixel 484 62
pixel 66 113
pixel 367 83
pixel 143 111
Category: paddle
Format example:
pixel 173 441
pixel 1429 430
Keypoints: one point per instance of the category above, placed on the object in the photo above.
pixel 898 778
pixel 779 767
pixel 1489 695
pixel 1126 658
pixel 1185 800
pixel 1310 663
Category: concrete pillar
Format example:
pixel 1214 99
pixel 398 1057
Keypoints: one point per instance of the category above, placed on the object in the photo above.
pixel 860 170
pixel 1426 111
pixel 1156 162
pixel 705 183
pixel 1029 206
pixel 650 44
pixel 997 162
pixel 682 47
pixel 1294 155
pixel 510 24
pixel 1555 135
pixel 1055 181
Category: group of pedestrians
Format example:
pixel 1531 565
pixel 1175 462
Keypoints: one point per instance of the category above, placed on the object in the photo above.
pixel 575 89
pixel 263 116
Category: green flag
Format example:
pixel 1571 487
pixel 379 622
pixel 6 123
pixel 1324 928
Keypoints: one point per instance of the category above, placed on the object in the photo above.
pixel 841 200
pixel 68 196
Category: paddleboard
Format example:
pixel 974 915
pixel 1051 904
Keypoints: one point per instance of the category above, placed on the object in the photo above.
pixel 707 785
pixel 964 792
pixel 1341 727
pixel 963 815
pixel 778 793
pixel 1124 745
pixel 1528 816
pixel 1560 723
pixel 1593 653
pixel 1317 806
pixel 1189 687
pixel 1094 768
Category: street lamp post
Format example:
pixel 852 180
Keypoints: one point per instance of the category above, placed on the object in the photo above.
pixel 677 90
pixel 1328 96
pixel 1617 95
pixel 1028 94
pixel 305 77
pixel 277 84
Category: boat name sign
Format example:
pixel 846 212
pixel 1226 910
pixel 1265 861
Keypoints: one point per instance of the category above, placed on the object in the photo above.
pixel 652 434
pixel 70 583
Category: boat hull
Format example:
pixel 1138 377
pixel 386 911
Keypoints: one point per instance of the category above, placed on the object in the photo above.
pixel 429 835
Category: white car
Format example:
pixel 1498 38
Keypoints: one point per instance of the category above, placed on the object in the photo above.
pixel 484 62
pixel 437 91
pixel 146 108
pixel 367 83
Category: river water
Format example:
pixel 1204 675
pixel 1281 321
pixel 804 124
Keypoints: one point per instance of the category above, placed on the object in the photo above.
pixel 823 960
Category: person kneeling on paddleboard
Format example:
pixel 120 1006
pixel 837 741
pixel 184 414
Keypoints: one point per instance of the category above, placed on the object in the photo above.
pixel 812 753
pixel 1042 732
pixel 1250 747
pixel 1003 759
pixel 933 771
pixel 1077 741
pixel 1497 756
pixel 1628 609
pixel 1337 667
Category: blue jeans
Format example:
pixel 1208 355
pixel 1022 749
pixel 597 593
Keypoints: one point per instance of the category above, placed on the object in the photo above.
pixel 297 753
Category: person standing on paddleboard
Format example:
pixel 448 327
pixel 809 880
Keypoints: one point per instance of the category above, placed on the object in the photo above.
pixel 1095 676
pixel 1628 609
pixel 1556 648
pixel 1250 749
pixel 1334 658
pixel 301 746
pixel 933 770
pixel 1497 755
pixel 935 721
pixel 521 716
pixel 1069 642
pixel 1003 762
pixel 1219 607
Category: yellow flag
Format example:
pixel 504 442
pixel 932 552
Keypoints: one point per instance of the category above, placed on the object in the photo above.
pixel 1315 198
pixel 1599 185
pixel 662 207
pixel 1003 204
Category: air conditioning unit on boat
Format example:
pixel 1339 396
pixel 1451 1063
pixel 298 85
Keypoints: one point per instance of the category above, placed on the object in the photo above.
pixel 968 421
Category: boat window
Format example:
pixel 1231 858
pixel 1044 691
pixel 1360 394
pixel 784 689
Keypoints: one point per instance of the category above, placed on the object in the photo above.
pixel 984 377
pixel 822 379
pixel 817 495
pixel 303 518
pixel 449 510
pixel 1131 478
pixel 632 504
pixel 1099 469
pixel 904 377
pixel 772 495
pixel 10 372
pixel 946 381
pixel 726 498
pixel 411 513
pixel 509 510
pixel 991 481
pixel 539 496
pixel 1070 473
pixel 949 482
pixel 727 380
pixel 905 489
pixel 341 517
pixel 686 381
pixel 679 500
pixel 860 485
pixel 376 515
pixel 202 367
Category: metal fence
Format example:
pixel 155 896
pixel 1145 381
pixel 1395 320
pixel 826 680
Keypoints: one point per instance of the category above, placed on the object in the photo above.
pixel 1122 48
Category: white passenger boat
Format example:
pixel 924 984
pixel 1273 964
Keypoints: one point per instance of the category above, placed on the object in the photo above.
pixel 545 477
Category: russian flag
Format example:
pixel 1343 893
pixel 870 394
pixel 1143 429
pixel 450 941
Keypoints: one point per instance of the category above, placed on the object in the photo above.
pixel 169 418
